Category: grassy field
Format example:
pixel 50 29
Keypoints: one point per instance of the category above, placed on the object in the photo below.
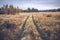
pixel 49 23
pixel 30 26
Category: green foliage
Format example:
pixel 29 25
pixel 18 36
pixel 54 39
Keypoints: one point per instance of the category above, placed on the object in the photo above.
pixel 30 10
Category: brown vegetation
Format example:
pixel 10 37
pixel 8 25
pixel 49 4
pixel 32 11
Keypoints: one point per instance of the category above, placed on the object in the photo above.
pixel 49 22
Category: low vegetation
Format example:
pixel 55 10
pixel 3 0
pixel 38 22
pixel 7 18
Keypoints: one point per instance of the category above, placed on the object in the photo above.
pixel 48 22
pixel 10 25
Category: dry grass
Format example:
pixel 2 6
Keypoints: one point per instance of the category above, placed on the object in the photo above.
pixel 10 25
pixel 49 22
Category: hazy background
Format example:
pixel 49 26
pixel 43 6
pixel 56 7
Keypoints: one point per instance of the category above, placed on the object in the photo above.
pixel 39 4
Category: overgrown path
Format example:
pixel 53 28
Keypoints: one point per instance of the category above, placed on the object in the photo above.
pixel 19 36
pixel 30 30
pixel 42 35
pixel 30 33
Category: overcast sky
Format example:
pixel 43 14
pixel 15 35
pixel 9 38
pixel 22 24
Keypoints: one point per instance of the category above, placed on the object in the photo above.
pixel 39 4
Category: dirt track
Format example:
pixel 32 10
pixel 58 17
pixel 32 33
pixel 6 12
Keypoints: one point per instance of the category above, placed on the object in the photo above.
pixel 30 30
pixel 41 26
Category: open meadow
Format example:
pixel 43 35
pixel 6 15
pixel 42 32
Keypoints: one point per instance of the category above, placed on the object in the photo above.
pixel 30 26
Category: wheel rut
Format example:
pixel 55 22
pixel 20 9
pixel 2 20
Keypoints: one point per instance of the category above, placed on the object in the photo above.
pixel 30 30
pixel 19 35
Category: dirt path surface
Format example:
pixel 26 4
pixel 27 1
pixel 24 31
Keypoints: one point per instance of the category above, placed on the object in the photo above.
pixel 39 30
pixel 19 36
pixel 28 30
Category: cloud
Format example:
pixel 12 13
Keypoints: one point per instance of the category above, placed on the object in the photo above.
pixel 39 4
pixel 40 7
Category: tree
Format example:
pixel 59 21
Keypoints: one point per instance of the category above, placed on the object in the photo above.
pixel 28 9
pixel 12 9
pixel 58 9
pixel 11 6
pixel 34 10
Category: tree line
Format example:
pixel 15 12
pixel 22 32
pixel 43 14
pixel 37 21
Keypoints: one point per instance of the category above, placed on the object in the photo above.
pixel 10 9
pixel 31 10
pixel 36 10
pixel 51 10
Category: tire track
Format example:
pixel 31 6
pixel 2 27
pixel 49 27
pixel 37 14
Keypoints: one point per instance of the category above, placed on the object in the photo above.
pixel 31 32
pixel 42 35
pixel 19 36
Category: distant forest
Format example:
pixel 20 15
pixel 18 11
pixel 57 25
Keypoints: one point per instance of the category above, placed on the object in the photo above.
pixel 10 9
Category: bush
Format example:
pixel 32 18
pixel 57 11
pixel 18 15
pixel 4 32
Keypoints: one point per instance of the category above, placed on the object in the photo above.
pixel 49 15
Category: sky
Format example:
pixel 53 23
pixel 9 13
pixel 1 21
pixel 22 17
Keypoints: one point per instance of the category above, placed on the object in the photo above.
pixel 38 4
